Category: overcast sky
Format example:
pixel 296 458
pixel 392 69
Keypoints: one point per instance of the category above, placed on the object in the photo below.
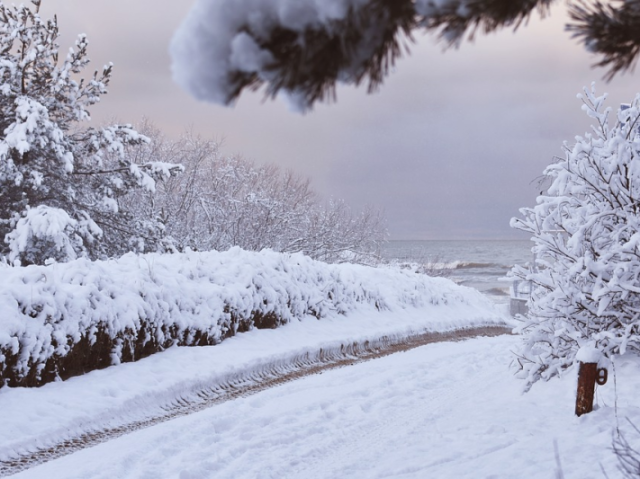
pixel 450 147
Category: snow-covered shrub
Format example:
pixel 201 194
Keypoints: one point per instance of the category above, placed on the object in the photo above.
pixel 49 163
pixel 46 233
pixel 65 319
pixel 220 202
pixel 586 235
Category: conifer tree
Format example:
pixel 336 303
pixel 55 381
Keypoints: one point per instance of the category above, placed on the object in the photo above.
pixel 60 183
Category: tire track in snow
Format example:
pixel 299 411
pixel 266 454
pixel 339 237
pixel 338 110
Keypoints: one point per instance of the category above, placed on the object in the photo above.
pixel 238 385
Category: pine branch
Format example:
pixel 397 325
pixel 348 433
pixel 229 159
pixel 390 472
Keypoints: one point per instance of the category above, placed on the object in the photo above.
pixel 361 47
pixel 611 30
pixel 456 19
pixel 307 61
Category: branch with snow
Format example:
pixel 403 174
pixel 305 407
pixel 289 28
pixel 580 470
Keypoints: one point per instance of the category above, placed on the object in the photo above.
pixel 302 49
pixel 586 235
pixel 299 48
pixel 220 202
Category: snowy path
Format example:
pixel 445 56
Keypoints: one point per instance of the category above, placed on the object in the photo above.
pixel 437 411
pixel 241 384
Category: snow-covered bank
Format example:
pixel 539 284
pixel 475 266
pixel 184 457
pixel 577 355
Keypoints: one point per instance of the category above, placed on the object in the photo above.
pixel 66 319
pixel 35 418
pixel 443 410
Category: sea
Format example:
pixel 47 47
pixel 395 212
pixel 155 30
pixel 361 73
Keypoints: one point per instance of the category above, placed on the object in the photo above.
pixel 482 265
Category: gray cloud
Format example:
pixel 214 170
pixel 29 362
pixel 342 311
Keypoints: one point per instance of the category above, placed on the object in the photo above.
pixel 450 146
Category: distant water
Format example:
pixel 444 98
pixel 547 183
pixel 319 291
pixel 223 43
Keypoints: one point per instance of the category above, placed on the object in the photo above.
pixel 482 265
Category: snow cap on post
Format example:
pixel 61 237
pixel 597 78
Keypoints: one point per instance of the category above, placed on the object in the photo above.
pixel 589 354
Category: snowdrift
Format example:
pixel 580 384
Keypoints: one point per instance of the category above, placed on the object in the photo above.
pixel 66 319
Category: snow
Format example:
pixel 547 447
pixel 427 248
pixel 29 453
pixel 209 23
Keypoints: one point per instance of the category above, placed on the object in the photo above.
pixel 48 309
pixel 441 410
pixel 135 390
pixel 589 354
pixel 224 46
pixel 449 409
pixel 217 40
pixel 42 223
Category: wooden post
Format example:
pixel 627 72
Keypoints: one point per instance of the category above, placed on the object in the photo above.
pixel 586 387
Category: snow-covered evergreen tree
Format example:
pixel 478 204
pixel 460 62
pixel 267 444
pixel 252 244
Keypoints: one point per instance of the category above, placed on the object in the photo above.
pixel 59 183
pixel 586 234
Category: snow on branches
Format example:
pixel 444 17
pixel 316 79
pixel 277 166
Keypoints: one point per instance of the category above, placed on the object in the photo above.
pixel 220 202
pixel 49 233
pixel 297 47
pixel 51 168
pixel 303 48
pixel 586 234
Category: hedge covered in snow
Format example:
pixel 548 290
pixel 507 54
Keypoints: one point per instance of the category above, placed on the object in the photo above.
pixel 66 319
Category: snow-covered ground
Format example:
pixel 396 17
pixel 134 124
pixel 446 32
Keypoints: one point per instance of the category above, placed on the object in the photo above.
pixel 441 410
pixel 449 409
pixel 33 418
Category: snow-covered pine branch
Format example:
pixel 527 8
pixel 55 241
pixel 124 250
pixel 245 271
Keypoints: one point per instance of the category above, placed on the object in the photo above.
pixel 586 235
pixel 53 172
pixel 303 49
